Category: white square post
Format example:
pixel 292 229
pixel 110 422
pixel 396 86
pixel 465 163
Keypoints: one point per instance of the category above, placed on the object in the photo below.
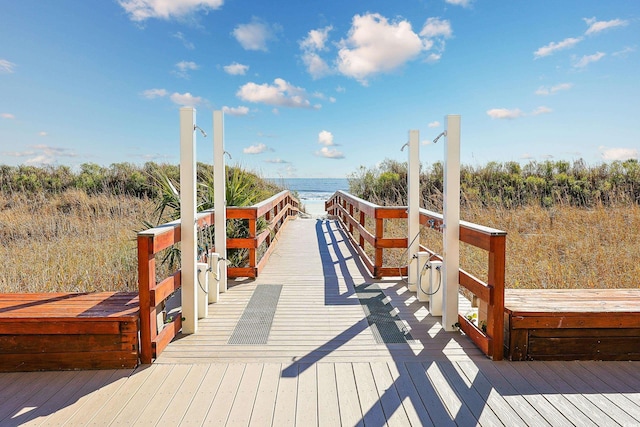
pixel 188 226
pixel 413 203
pixel 220 197
pixel 451 213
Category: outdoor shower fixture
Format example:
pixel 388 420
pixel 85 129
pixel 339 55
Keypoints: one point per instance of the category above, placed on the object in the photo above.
pixel 188 223
pixel 201 282
pixel 443 133
pixel 413 203
pixel 204 134
pixel 430 282
pixel 219 197
pixel 451 224
pixel 451 221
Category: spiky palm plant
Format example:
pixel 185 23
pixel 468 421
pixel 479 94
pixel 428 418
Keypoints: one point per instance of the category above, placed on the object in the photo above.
pixel 242 189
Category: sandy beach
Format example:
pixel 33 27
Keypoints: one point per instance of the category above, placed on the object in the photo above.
pixel 315 208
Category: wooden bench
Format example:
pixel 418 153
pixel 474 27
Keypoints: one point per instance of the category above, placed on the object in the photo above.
pixel 576 324
pixel 66 331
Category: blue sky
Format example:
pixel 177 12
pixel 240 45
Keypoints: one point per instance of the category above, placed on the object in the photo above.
pixel 318 88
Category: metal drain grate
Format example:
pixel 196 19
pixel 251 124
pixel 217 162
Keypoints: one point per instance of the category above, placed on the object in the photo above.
pixel 386 328
pixel 255 323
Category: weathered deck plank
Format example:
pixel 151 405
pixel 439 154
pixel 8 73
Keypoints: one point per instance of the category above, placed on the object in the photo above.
pixel 328 403
pixel 264 405
pixel 204 395
pixel 350 412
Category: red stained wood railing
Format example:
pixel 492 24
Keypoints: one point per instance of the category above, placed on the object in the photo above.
pixel 276 211
pixel 352 212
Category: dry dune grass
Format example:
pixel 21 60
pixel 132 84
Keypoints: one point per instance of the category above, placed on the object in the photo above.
pixel 74 242
pixel 561 247
pixel 70 242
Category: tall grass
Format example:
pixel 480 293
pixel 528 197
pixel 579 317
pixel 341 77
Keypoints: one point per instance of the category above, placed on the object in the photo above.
pixel 66 231
pixel 569 226
pixel 70 242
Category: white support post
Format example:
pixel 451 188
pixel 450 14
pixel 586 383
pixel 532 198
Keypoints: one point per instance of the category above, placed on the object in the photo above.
pixel 413 202
pixel 451 213
pixel 188 231
pixel 219 196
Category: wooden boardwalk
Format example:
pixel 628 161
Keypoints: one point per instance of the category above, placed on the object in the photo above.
pixel 323 366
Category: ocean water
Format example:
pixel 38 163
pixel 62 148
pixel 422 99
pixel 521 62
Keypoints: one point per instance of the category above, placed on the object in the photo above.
pixel 313 189
pixel 313 192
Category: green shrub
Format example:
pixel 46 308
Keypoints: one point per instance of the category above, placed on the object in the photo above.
pixel 509 184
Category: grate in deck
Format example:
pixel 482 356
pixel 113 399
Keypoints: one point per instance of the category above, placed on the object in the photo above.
pixel 255 323
pixel 387 328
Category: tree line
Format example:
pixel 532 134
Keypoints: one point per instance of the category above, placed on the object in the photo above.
pixel 508 184
pixel 143 181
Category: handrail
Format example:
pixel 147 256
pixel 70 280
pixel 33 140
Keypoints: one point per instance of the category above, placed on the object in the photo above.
pixel 276 211
pixel 352 212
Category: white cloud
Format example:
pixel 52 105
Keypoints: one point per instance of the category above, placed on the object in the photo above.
pixel 7 116
pixel 436 27
pixel 340 89
pixel 556 46
pixel 236 111
pixel 141 10
pixel 277 161
pixel 541 110
pixel 41 159
pixel 624 52
pixel 435 124
pixel 187 66
pixel 187 44
pixel 42 133
pixel 596 26
pixel 154 93
pixel 281 93
pixel 182 99
pixel 236 69
pixel 330 153
pixel 332 99
pixel 434 57
pixel 325 138
pixel 41 154
pixel 316 66
pixel 588 59
pixel 6 67
pixel 255 149
pixel 618 153
pixel 183 68
pixel 543 90
pixel 186 99
pixel 504 113
pixel 463 3
pixel 310 45
pixel 18 153
pixel 375 45
pixel 316 39
pixel 290 171
pixel 255 35
pixel 266 135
